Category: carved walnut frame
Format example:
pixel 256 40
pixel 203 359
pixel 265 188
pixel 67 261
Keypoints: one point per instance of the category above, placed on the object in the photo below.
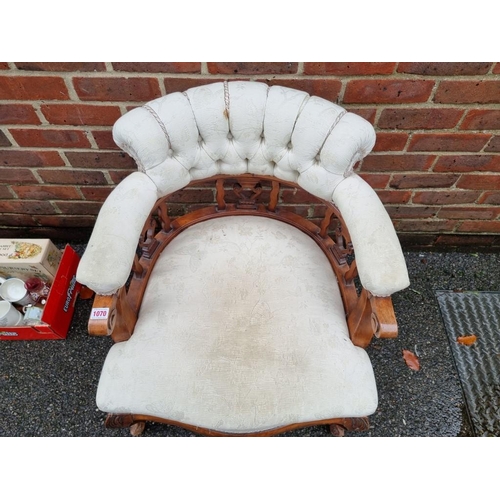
pixel 257 195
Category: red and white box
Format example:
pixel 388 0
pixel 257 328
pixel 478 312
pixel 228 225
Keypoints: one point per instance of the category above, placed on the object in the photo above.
pixel 60 306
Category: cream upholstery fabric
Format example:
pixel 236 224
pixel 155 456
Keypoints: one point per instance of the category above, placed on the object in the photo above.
pixel 247 127
pixel 241 329
pixel 108 258
pixel 381 263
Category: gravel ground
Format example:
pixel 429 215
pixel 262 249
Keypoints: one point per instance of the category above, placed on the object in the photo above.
pixel 47 388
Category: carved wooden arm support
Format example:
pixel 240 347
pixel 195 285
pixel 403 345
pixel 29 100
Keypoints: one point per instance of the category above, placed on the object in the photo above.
pixel 384 317
pixel 372 316
pixel 118 319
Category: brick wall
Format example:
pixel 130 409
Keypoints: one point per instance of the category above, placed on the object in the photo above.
pixel 436 164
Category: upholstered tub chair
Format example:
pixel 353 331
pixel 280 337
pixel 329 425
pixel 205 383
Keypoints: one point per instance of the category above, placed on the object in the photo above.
pixel 242 317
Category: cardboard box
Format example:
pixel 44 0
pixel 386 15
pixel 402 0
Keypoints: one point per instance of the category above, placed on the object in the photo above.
pixel 60 306
pixel 20 258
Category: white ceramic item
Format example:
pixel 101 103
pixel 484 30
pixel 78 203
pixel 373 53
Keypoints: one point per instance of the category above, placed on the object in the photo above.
pixel 13 290
pixel 9 315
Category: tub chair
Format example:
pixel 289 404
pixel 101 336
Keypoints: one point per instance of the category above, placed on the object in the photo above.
pixel 243 317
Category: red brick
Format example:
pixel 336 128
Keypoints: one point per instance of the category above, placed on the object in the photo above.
pixel 388 91
pixel 423 180
pixel 325 88
pixel 182 84
pixel 448 142
pixel 444 68
pixel 298 196
pixel 318 211
pixel 468 163
pixel 349 68
pixel 13 220
pixel 416 240
pixel 252 68
pixel 485 213
pixel 23 158
pixel 4 65
pixel 26 207
pixel 4 140
pixel 493 145
pixel 482 119
pixel 496 69
pixel 479 181
pixel 448 197
pixel 61 66
pixel 104 139
pixel 158 67
pixel 79 207
pixel 469 226
pixel 376 181
pixel 96 193
pixel 66 221
pixel 387 141
pixel 394 197
pixel 14 114
pixel 72 177
pixel 98 160
pixel 192 196
pixel 366 113
pixel 411 212
pixel 5 194
pixel 466 92
pixel 50 138
pixel 423 118
pixel 116 89
pixel 46 192
pixel 118 175
pixel 10 175
pixel 398 163
pixel 302 210
pixel 490 198
pixel 426 226
pixel 30 88
pixel 461 240
pixel 80 114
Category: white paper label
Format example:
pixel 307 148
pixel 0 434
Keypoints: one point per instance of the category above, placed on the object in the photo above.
pixel 99 313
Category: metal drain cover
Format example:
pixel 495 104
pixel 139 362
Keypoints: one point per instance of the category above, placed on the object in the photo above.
pixel 478 364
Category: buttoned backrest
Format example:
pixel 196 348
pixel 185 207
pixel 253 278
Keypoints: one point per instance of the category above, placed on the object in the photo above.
pixel 244 127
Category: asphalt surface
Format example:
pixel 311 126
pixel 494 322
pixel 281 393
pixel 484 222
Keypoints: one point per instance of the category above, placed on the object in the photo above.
pixel 47 388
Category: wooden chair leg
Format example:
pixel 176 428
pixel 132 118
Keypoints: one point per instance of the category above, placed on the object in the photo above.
pixel 358 424
pixel 337 430
pixel 119 421
pixel 137 428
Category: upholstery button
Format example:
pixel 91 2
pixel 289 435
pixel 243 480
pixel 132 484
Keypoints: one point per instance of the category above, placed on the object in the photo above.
pixel 229 135
pixel 318 157
pixel 289 145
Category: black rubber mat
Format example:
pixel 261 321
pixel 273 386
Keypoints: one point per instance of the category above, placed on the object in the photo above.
pixel 478 364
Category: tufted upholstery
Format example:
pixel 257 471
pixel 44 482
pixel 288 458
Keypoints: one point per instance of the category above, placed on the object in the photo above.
pixel 243 127
pixel 240 127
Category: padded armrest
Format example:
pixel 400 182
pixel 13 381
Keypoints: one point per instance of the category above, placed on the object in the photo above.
pixel 380 261
pixel 108 258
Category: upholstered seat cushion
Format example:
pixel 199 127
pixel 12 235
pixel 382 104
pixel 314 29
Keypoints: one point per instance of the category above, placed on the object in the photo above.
pixel 242 329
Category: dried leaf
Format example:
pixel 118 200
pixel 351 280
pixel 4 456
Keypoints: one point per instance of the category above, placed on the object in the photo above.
pixel 411 360
pixel 467 339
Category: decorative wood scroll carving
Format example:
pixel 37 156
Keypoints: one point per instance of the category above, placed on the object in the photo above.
pixel 247 191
